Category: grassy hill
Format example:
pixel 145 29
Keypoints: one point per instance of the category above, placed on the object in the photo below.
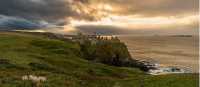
pixel 60 62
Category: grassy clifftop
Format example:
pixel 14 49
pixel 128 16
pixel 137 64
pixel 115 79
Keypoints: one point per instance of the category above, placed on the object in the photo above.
pixel 61 63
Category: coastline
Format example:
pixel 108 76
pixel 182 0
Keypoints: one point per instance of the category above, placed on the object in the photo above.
pixel 168 51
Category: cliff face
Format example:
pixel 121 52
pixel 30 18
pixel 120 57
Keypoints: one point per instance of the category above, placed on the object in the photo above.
pixel 109 52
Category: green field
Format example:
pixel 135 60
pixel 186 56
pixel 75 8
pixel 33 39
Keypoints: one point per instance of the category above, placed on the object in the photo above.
pixel 59 61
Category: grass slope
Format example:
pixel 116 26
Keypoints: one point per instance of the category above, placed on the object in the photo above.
pixel 59 61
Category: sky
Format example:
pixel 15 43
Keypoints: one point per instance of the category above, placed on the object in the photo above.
pixel 103 16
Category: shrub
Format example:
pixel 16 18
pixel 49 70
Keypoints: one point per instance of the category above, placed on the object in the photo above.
pixel 5 63
pixel 40 66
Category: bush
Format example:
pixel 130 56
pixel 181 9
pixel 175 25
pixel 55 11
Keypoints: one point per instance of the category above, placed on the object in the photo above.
pixel 5 63
pixel 40 66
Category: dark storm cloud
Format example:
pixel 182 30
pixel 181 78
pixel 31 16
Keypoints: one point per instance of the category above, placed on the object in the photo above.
pixel 59 9
pixel 30 13
pixel 12 23
pixel 35 9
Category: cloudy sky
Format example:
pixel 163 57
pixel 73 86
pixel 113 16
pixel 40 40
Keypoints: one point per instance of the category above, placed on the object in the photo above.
pixel 115 16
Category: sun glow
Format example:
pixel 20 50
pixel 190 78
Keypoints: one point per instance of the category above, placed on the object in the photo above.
pixel 139 22
pixel 104 14
pixel 96 11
